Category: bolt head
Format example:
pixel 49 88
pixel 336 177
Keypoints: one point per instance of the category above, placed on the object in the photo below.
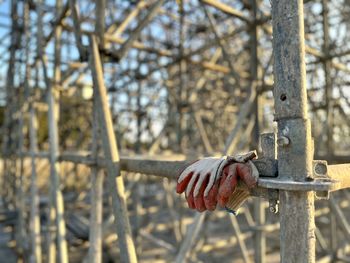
pixel 283 141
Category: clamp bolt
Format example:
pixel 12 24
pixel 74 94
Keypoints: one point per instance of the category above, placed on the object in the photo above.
pixel 283 141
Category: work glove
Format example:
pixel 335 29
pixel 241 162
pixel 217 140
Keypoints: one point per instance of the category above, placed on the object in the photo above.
pixel 211 181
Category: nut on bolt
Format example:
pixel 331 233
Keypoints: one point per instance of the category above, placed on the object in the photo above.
pixel 283 141
pixel 320 169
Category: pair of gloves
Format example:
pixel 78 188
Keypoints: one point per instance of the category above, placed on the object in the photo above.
pixel 211 181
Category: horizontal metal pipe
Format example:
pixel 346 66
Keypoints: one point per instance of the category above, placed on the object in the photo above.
pixel 162 168
pixel 171 169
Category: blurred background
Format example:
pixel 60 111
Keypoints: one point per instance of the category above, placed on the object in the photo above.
pixel 184 79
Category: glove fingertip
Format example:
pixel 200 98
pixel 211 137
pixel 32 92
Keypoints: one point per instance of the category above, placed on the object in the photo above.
pixel 190 202
pixel 210 200
pixel 199 203
pixel 210 205
pixel 181 186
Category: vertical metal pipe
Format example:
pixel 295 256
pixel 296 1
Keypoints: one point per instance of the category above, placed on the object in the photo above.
pixel 95 236
pixel 294 157
pixel 100 21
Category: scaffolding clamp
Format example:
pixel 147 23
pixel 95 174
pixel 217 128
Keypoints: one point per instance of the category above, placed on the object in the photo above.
pixel 325 179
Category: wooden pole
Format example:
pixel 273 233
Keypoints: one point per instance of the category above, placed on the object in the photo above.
pixel 295 149
pixel 115 181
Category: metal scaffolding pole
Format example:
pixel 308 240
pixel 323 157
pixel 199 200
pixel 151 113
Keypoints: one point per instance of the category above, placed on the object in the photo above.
pixel 295 146
pixel 97 178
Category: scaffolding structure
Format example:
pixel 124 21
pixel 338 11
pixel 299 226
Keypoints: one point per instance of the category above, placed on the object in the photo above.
pixel 98 96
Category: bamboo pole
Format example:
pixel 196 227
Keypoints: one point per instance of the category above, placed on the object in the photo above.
pixel 115 181
pixel 327 66
pixel 21 245
pixel 95 236
pixel 222 43
pixel 116 31
pixel 56 214
pixel 245 110
pixel 34 219
pixel 34 214
pixel 191 236
pixel 297 235
pixel 258 205
pixel 51 244
pixel 9 121
pixel 180 91
pixel 227 9
pixel 136 32
pixel 77 30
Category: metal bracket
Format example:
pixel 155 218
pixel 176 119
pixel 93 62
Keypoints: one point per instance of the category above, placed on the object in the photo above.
pixel 269 150
pixel 320 182
pixel 320 172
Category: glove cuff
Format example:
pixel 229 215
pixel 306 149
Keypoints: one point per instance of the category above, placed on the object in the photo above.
pixel 238 197
pixel 236 200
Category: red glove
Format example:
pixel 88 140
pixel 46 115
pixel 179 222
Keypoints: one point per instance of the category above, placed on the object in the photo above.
pixel 213 180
